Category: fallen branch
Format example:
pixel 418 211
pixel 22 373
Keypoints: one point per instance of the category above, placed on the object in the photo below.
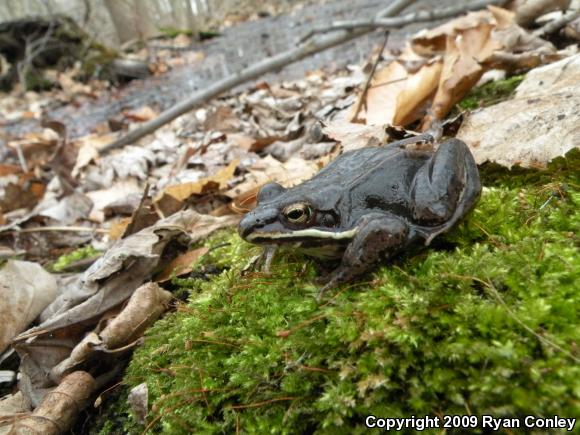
pixel 396 22
pixel 293 55
pixel 554 26
pixel 72 229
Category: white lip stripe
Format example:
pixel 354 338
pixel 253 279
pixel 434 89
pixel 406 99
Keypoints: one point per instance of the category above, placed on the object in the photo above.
pixel 305 233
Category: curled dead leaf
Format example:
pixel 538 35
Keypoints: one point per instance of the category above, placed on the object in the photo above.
pixel 181 264
pixel 398 91
pixel 25 290
pixel 462 68
pixel 289 173
pixel 59 408
pixel 145 306
pixel 142 114
pixel 172 198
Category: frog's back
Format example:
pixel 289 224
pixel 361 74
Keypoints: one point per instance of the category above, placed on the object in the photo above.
pixel 374 179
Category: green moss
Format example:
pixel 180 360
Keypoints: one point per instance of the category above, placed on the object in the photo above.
pixel 490 93
pixel 172 32
pixel 95 60
pixel 485 322
pixel 78 254
pixel 36 81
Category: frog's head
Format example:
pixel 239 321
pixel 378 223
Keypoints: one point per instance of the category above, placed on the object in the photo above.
pixel 292 215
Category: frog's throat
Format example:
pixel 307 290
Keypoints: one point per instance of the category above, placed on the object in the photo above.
pixel 309 233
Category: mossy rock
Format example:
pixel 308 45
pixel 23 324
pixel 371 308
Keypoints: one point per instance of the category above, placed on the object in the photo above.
pixel 484 322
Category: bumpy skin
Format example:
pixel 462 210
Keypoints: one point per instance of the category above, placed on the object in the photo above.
pixel 370 204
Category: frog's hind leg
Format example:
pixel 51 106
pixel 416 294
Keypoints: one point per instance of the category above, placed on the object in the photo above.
pixel 445 188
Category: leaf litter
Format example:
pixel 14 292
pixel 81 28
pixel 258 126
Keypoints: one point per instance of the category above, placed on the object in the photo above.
pixel 146 205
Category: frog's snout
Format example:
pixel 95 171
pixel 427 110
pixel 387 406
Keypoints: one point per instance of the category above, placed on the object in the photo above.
pixel 255 220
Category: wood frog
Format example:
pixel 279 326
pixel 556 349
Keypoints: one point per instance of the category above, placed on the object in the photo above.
pixel 368 204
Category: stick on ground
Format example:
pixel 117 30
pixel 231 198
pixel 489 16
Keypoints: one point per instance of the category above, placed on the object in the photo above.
pixel 363 96
pixel 303 50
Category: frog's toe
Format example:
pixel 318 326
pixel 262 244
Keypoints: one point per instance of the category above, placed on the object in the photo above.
pixel 262 261
pixel 323 279
pixel 334 279
pixel 329 285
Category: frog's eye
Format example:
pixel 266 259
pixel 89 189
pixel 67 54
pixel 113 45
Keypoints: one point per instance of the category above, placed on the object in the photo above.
pixel 298 213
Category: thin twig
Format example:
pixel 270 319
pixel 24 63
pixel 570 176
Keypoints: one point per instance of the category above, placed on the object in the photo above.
pixel 265 402
pixel 249 73
pixel 396 22
pixel 63 229
pixel 554 26
pixel 308 48
pixel 365 90
pixel 21 158
pixel 33 48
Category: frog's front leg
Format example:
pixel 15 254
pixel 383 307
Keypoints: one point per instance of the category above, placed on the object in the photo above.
pixel 378 235
pixel 262 261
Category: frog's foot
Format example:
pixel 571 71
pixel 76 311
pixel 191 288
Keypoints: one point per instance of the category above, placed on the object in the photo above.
pixel 262 261
pixel 324 272
pixel 331 282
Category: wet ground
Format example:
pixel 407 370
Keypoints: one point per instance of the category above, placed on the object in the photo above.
pixel 236 48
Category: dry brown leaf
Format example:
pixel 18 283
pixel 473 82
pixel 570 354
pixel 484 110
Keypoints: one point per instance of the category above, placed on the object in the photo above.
pixel 181 264
pixel 433 41
pixel 542 121
pixel 59 408
pixel 526 11
pixel 143 216
pixel 37 147
pixel 121 269
pixel 25 194
pixel 172 198
pixel 396 94
pixel 512 38
pixel 25 290
pixel 70 86
pixel 473 44
pixel 420 86
pixel 462 68
pixel 117 228
pixel 289 173
pixel 105 197
pixel 145 306
pixel 110 281
pixel 353 136
pixel 222 119
pixel 12 407
pixel 243 141
pixel 89 147
pixel 142 114
pixel 6 169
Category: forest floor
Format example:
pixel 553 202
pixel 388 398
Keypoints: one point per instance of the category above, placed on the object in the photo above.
pixel 97 244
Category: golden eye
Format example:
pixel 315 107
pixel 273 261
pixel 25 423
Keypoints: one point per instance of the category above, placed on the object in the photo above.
pixel 298 213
